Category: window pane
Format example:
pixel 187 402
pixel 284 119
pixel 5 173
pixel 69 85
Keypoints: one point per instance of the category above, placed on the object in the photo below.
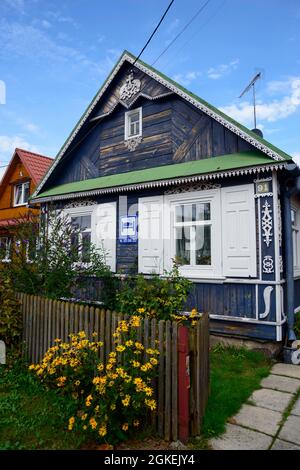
pixel 75 246
pixel 183 245
pixel 203 245
pixel 18 194
pixel 86 245
pixel 82 222
pixel 134 117
pixel 26 192
pixel 201 211
pixel 293 216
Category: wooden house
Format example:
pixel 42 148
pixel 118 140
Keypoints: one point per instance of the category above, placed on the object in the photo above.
pixel 21 178
pixel 153 172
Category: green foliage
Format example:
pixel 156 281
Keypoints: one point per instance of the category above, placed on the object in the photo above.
pixel 45 262
pixel 297 325
pixel 10 315
pixel 159 297
pixel 32 417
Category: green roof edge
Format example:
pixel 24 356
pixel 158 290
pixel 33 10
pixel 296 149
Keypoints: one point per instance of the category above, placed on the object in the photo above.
pixel 192 168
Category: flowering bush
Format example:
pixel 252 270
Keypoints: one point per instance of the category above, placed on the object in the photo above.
pixel 69 366
pixel 112 398
pixel 10 315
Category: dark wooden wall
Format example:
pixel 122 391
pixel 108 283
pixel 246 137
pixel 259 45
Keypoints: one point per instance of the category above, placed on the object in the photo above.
pixel 174 131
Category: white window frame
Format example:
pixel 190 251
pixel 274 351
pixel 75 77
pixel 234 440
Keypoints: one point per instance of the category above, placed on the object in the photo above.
pixel 296 240
pixel 8 243
pixel 128 114
pixel 22 203
pixel 213 197
pixel 81 212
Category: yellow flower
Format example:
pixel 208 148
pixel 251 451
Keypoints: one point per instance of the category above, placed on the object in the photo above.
pixel 148 391
pixel 193 313
pixel 139 345
pixel 141 310
pixel 88 400
pixel 100 367
pixel 153 361
pixel 125 427
pixel 61 381
pixel 109 366
pixel 57 340
pixel 93 423
pixel 84 427
pixel 31 367
pixel 136 423
pixel 120 348
pixel 102 430
pixel 151 404
pixel 112 354
pixel 71 423
pixel 129 343
pixel 136 363
pixel 77 383
pixel 113 407
pixel 84 416
pixel 81 334
pixel 126 400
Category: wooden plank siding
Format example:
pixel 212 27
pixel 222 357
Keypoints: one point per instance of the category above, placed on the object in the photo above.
pixel 44 319
pixel 173 131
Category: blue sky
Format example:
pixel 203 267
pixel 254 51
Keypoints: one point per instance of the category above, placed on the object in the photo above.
pixel 55 54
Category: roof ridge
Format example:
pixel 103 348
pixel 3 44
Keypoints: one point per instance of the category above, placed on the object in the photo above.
pixel 18 149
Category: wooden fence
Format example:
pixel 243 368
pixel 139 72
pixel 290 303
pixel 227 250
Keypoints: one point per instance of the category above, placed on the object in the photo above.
pixel 44 320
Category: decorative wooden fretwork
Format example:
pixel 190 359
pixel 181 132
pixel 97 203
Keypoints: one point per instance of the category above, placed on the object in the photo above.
pixel 132 143
pixel 189 187
pixel 268 265
pixel 80 203
pixel 130 88
pixel 267 223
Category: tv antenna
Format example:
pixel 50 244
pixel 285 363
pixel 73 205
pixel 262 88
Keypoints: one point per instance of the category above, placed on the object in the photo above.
pixel 248 87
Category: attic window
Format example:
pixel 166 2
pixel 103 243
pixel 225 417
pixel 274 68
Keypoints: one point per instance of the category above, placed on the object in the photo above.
pixel 21 194
pixel 133 123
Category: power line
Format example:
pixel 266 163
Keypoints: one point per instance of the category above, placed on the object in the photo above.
pixel 182 30
pixel 160 21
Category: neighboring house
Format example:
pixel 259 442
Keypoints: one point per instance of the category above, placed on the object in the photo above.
pixel 152 172
pixel 22 175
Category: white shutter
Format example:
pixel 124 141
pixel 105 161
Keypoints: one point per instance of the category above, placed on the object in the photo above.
pixel 150 250
pixel 104 229
pixel 239 231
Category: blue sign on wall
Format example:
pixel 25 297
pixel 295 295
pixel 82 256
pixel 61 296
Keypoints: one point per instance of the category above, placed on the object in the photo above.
pixel 128 229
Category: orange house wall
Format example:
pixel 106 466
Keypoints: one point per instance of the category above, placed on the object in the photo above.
pixel 18 174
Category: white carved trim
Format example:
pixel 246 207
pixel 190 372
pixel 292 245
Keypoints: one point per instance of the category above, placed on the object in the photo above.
pixel 267 223
pixel 267 299
pixel 187 188
pixel 268 264
pixel 158 184
pixel 262 180
pixel 80 203
pixel 132 143
pixel 262 195
pixel 219 118
pixel 130 87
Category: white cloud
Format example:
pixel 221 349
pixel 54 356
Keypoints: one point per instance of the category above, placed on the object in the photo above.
pixel 173 25
pixel 186 78
pixel 15 4
pixel 269 111
pixel 296 158
pixel 8 144
pixel 223 69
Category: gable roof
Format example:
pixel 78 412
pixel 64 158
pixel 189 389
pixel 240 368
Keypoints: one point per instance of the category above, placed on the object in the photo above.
pixel 166 175
pixel 35 164
pixel 237 128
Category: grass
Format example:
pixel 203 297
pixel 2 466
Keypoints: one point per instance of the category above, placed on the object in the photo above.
pixel 34 418
pixel 30 416
pixel 235 374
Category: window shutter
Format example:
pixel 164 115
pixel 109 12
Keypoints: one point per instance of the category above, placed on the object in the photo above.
pixel 104 231
pixel 150 250
pixel 239 231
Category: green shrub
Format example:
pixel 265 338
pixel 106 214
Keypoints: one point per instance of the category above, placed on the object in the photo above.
pixel 297 325
pixel 10 315
pixel 159 297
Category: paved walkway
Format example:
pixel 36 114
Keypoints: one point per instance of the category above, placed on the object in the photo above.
pixel 270 419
